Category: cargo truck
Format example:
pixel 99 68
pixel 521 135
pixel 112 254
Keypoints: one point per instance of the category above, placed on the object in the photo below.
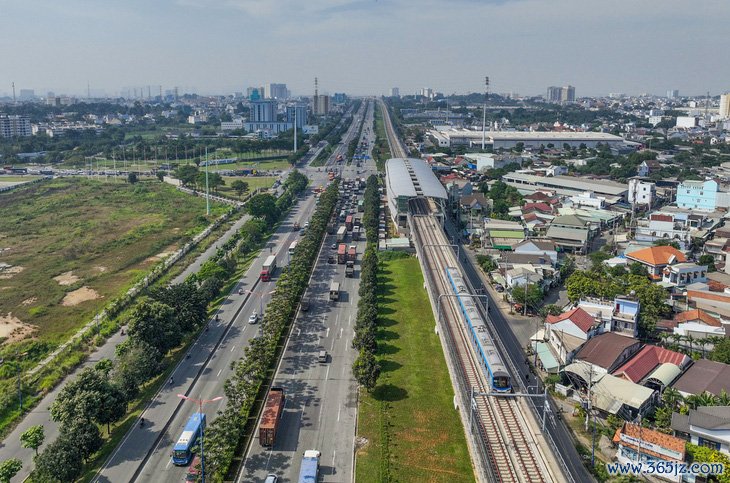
pixel 309 470
pixel 342 253
pixel 348 222
pixel 273 410
pixel 356 233
pixel 350 269
pixel 267 271
pixel 335 291
pixel 352 253
pixel 341 232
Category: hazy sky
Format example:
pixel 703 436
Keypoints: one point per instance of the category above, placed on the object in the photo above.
pixel 366 46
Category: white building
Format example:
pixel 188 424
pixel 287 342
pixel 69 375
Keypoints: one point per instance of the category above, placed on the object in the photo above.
pixel 232 125
pixel 687 122
pixel 682 274
pixel 588 198
pixel 725 106
pixel 528 139
pixel 12 126
pixel 641 192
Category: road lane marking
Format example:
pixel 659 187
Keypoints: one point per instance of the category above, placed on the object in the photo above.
pixel 168 463
pixel 334 452
pixel 219 373
pixel 327 376
pixel 233 348
pixel 341 329
pixel 328 333
pixel 338 412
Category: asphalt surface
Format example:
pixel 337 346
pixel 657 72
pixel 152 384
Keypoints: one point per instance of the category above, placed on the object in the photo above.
pixel 144 454
pixel 321 398
pixel 10 447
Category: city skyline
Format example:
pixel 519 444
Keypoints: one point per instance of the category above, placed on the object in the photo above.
pixel 526 46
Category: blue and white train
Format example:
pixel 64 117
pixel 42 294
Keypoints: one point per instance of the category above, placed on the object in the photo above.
pixel 499 378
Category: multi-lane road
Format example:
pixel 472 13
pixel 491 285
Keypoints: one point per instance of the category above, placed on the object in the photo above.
pixel 321 398
pixel 144 454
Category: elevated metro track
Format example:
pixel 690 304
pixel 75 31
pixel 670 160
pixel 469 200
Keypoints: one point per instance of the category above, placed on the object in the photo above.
pixel 507 449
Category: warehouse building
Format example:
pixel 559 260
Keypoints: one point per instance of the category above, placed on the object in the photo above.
pixel 529 139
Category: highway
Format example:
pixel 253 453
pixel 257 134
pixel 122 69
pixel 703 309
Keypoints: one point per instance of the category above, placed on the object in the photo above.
pixel 321 399
pixel 144 454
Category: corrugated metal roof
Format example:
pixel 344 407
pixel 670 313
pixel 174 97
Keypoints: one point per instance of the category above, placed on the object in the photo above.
pixel 611 390
pixel 412 177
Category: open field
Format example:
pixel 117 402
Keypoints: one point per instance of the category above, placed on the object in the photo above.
pixel 413 431
pixel 17 179
pixel 254 182
pixel 95 238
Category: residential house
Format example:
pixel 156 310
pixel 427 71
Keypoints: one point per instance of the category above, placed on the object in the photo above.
pixel 567 332
pixel 648 167
pixel 654 367
pixel 707 426
pixel 655 259
pixel 715 302
pixel 682 274
pixel 620 315
pixel 606 352
pixel 637 444
pixel 571 233
pixel 698 325
pixel 718 248
pixel 501 234
pixel 704 376
pixel 472 209
pixel 538 246
pixel 702 195
pixel 641 192
pixel 665 226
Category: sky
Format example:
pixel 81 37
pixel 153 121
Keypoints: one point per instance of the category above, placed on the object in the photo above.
pixel 365 46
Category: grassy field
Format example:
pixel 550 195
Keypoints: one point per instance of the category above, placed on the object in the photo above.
pixel 254 182
pixel 108 235
pixel 409 421
pixel 17 179
pixel 381 150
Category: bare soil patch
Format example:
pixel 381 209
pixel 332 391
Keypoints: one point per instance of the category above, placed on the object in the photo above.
pixel 159 256
pixel 13 329
pixel 9 271
pixel 101 268
pixel 29 301
pixel 80 295
pixel 67 278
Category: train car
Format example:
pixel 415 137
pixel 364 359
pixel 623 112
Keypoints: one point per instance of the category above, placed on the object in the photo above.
pixel 499 378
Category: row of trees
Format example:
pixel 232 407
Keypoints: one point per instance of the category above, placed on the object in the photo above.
pixel 250 371
pixel 365 368
pixel 158 323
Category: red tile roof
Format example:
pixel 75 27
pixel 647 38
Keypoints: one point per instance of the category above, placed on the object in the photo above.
pixel 646 360
pixel 660 217
pixel 697 315
pixel 718 297
pixel 543 207
pixel 580 318
pixel 658 438
pixel 657 255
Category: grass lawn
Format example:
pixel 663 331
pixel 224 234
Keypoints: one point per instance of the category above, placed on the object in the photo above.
pixel 254 182
pixel 17 179
pixel 413 431
pixel 107 234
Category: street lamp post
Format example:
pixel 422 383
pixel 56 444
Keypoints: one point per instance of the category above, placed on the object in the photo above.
pixel 202 429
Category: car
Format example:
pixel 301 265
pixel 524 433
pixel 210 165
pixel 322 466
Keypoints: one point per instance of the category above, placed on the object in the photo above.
pixel 331 260
pixel 253 318
pixel 271 478
pixel 240 291
pixel 333 246
pixel 305 304
pixel 499 288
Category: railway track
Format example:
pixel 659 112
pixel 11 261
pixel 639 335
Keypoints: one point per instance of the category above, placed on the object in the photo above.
pixel 510 450
pixel 396 148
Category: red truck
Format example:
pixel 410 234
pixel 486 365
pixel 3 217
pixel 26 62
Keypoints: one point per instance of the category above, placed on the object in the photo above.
pixel 273 410
pixel 341 253
pixel 267 271
pixel 348 222
pixel 352 253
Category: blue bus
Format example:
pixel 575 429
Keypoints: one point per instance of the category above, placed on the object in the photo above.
pixel 182 451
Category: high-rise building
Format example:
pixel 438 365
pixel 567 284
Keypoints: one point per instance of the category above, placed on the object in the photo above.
pixel 263 110
pixel 725 106
pixel 302 116
pixel 673 94
pixel 26 94
pixel 560 94
pixel 339 98
pixel 15 126
pixel 567 94
pixel 276 91
pixel 394 92
pixel 255 93
pixel 321 105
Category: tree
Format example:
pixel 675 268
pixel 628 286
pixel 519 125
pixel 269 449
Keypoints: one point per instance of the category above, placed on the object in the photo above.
pixel 263 206
pixel 239 187
pixel 33 438
pixel 214 180
pixel 721 351
pixel 60 461
pixel 366 370
pixel 154 323
pixel 672 398
pixel 709 261
pixel 132 178
pixel 85 435
pixel 597 259
pixel 9 468
pixel 137 363
pixel 161 175
pixel 637 268
pixel 663 418
pixel 530 295
pixel 703 454
pixel 550 309
pixel 187 174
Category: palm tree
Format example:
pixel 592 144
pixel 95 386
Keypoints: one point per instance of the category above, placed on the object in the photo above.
pixel 672 398
pixel 706 399
pixel 689 340
pixel 677 338
pixel 723 399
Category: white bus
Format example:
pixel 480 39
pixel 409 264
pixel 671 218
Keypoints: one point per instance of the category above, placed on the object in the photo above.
pixel 292 247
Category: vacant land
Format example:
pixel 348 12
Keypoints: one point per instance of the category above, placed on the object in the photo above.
pixel 408 428
pixel 254 182
pixel 69 245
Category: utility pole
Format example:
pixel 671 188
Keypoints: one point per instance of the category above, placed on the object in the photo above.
pixel 295 128
pixel 484 112
pixel 15 102
pixel 207 192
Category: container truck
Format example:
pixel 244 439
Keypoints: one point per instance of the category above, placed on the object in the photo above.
pixel 350 269
pixel 267 271
pixel 341 253
pixel 356 233
pixel 273 410
pixel 341 232
pixel 352 253
pixel 309 470
pixel 348 222
pixel 335 291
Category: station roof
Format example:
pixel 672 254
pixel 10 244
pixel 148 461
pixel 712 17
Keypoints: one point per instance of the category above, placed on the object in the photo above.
pixel 411 177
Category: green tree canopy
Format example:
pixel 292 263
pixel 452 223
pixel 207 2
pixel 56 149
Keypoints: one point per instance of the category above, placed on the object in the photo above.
pixel 33 437
pixel 9 468
pixel 263 206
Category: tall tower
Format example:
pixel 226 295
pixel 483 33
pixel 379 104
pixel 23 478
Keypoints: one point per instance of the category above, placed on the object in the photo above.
pixel 315 106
